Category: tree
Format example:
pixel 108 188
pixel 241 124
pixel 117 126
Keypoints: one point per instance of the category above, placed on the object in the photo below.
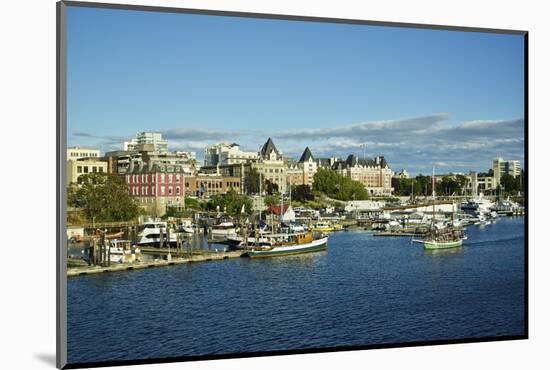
pixel 302 193
pixel 103 198
pixel 231 202
pixel 252 182
pixel 270 187
pixel 271 200
pixel 337 186
pixel 509 183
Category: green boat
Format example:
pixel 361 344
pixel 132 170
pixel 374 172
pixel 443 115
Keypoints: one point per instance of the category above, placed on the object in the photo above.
pixel 433 244
pixel 289 244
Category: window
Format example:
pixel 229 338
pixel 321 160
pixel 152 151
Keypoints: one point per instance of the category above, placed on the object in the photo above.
pixel 85 169
pixel 94 169
pixel 162 178
pixel 177 190
pixel 170 178
pixel 162 190
pixel 100 169
pixel 79 169
pixel 178 177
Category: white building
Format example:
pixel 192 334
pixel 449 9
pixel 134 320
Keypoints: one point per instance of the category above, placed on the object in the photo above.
pixel 502 167
pixel 225 154
pixel 76 152
pixel 154 138
pixel 83 166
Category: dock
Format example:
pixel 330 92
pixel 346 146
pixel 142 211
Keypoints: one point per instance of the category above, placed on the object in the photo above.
pixel 89 270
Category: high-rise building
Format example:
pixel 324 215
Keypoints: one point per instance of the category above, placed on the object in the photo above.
pixel 502 167
pixel 155 138
pixel 225 154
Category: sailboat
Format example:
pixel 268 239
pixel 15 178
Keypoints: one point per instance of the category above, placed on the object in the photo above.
pixel 442 236
pixel 283 244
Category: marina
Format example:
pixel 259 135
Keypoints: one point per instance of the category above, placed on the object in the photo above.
pixel 360 290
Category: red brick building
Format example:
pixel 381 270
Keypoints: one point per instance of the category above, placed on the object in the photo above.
pixel 157 187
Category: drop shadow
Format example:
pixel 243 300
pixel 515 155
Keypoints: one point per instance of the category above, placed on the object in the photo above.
pixel 47 358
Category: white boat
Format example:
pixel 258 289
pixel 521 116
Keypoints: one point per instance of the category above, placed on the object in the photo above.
pixel 186 226
pixel 223 230
pixel 287 244
pixel 150 234
pixel 121 251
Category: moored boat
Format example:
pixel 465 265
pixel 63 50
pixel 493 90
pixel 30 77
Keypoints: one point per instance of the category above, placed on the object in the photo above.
pixel 288 244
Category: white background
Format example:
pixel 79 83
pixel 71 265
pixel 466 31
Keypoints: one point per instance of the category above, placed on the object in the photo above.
pixel 27 111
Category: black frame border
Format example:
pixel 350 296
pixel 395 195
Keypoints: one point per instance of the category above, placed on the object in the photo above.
pixel 61 119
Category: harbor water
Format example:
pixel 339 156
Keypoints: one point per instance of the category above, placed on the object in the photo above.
pixel 363 290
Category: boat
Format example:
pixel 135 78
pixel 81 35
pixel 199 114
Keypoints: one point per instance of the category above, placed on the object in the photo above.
pixel 288 244
pixel 324 227
pixel 223 230
pixel 151 233
pixel 186 226
pixel 442 236
pixel 122 251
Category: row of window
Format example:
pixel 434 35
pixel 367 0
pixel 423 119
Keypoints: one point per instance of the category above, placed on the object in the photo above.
pixel 145 178
pixel 82 155
pixel 144 190
pixel 86 169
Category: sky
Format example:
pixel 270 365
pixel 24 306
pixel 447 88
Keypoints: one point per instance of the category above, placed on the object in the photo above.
pixel 421 98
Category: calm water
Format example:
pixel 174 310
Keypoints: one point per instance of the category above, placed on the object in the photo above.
pixel 363 290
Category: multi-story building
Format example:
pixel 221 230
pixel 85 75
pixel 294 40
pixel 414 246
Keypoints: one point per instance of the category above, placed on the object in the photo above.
pixel 302 173
pixel 403 174
pixel 502 167
pixel 205 186
pixel 374 174
pixel 78 167
pixel 226 154
pixel 157 186
pixel 154 138
pixel 120 161
pixel 271 166
pixel 76 152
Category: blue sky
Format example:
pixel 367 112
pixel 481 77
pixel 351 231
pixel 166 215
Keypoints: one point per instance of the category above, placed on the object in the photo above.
pixel 421 98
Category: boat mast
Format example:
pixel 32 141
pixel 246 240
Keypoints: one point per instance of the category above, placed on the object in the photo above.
pixel 433 196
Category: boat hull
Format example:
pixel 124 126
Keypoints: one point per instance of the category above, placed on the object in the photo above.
pixel 442 245
pixel 315 246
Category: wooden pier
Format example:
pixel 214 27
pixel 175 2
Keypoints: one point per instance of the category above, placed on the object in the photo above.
pixel 89 270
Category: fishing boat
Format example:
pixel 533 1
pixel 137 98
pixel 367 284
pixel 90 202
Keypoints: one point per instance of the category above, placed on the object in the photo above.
pixel 288 244
pixel 122 251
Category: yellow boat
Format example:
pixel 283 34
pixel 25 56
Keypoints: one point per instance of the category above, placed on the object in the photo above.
pixel 325 227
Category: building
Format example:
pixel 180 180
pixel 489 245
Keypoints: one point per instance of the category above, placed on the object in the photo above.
pixel 78 167
pixel 157 187
pixel 226 154
pixel 288 214
pixel 271 165
pixel 76 152
pixel 154 138
pixel 374 174
pixel 502 167
pixel 120 161
pixel 403 174
pixel 485 183
pixel 205 185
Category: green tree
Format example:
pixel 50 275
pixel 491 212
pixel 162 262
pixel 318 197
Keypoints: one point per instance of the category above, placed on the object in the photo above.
pixel 271 200
pixel 338 187
pixel 252 182
pixel 510 184
pixel 302 193
pixel 270 187
pixel 231 202
pixel 103 198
